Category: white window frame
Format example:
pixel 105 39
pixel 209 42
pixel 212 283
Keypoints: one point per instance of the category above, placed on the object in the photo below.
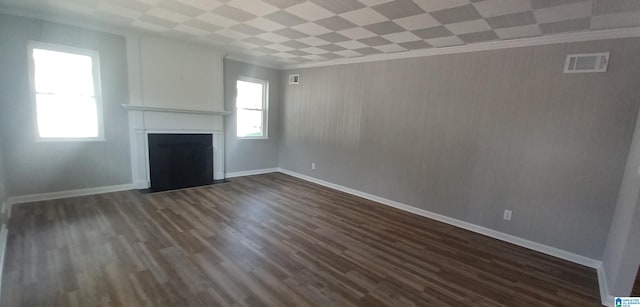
pixel 265 108
pixel 95 60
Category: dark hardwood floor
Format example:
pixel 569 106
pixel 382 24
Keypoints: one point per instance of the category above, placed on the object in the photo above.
pixel 636 286
pixel 267 240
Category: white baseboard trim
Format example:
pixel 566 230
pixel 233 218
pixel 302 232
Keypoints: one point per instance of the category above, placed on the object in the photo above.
pixel 605 297
pixel 70 193
pixel 549 250
pixel 141 184
pixel 4 233
pixel 251 172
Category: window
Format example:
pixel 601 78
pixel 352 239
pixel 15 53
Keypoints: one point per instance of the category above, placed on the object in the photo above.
pixel 65 85
pixel 251 108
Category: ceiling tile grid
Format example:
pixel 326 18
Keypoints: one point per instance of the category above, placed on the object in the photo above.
pixel 298 31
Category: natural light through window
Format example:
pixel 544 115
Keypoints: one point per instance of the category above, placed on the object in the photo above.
pixel 65 92
pixel 251 107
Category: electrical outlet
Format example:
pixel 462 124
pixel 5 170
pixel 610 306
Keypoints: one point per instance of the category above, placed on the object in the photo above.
pixel 313 166
pixel 507 215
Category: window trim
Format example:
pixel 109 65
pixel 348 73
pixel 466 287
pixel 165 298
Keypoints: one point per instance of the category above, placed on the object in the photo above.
pixel 265 108
pixel 95 60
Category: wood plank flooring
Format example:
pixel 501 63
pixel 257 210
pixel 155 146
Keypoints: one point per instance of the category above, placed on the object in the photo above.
pixel 267 240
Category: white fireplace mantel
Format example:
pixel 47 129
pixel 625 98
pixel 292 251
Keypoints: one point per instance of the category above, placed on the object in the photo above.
pixel 132 107
pixel 146 120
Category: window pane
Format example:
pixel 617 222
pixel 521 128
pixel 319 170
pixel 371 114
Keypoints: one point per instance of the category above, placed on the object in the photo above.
pixel 63 116
pixel 249 95
pixel 63 73
pixel 249 123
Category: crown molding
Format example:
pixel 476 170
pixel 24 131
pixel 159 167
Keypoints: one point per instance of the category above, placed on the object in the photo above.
pixel 494 45
pixel 251 60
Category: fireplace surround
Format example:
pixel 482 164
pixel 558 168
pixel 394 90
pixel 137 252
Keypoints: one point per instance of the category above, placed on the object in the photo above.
pixel 145 121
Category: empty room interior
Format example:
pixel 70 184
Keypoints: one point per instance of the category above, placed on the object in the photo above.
pixel 319 153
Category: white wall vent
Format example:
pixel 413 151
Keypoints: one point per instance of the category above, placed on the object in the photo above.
pixel 294 79
pixel 591 62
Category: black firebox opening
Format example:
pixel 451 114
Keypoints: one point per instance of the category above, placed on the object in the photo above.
pixel 180 160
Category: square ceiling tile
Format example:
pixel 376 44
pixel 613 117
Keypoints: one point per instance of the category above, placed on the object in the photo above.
pixel 309 11
pixel 290 33
pixel 357 33
pixel 217 20
pixel 491 8
pixel 265 24
pixel 273 37
pixel 257 8
pixel 285 18
pixel 470 26
pixel 433 32
pixel 351 44
pixel 446 41
pixel 417 22
pixel 348 53
pixel 538 4
pixel 279 47
pixel 456 14
pixel 419 44
pixel 512 20
pixel 479 37
pixel 314 50
pixel 393 48
pixel 246 29
pixel 332 47
pixel 180 8
pixel 312 41
pixel 563 12
pixel 375 41
pixel 196 23
pixel 401 37
pixel 336 23
pixel 364 16
pixel 333 37
pixel 295 44
pixel 620 20
pixel 233 13
pixel 367 51
pixel 235 35
pixel 257 41
pixel 383 28
pixel 437 5
pixel 519 32
pixel 398 9
pixel 339 6
pixel 311 29
pixel 284 3
pixel 165 14
pixel 602 7
pixel 206 5
pixel 572 25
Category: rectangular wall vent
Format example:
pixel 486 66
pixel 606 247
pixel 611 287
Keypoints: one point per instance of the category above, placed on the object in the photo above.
pixel 294 79
pixel 591 62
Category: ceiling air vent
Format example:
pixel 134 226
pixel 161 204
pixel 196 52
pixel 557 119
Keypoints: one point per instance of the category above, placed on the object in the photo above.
pixel 294 79
pixel 592 62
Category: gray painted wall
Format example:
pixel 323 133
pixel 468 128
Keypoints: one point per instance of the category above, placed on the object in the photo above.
pixel 3 180
pixel 40 167
pixel 244 155
pixel 622 251
pixel 470 135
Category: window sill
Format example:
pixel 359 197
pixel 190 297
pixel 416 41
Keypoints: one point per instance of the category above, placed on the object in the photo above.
pixel 67 140
pixel 252 138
